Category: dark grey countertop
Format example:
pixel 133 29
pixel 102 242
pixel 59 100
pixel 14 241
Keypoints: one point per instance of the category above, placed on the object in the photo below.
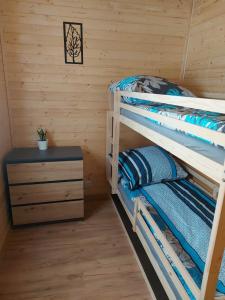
pixel 29 155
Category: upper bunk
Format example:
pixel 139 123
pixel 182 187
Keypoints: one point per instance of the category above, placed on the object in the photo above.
pixel 200 144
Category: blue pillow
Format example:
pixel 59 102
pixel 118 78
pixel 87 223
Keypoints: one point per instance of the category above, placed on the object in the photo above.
pixel 149 165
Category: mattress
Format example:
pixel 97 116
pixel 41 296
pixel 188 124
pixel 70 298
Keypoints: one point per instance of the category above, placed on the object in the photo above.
pixel 191 266
pixel 208 150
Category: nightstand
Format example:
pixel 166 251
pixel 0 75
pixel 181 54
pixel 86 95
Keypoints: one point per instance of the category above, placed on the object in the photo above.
pixel 44 186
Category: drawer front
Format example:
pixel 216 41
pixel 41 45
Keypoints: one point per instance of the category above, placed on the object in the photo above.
pixel 47 212
pixel 46 192
pixel 46 171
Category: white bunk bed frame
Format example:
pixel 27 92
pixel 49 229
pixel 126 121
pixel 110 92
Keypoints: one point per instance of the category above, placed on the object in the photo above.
pixel 199 166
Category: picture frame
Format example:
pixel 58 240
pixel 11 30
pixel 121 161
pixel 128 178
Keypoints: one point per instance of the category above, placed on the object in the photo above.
pixel 73 42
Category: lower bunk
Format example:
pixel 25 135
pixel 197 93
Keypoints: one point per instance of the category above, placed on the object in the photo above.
pixel 180 273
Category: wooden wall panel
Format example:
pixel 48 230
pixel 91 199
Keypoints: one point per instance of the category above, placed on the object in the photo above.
pixel 121 37
pixel 4 147
pixel 205 68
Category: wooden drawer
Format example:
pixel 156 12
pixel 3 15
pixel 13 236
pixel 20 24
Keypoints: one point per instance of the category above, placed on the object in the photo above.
pixel 47 212
pixel 45 171
pixel 46 192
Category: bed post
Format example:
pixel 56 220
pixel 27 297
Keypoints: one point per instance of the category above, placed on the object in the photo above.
pixel 216 248
pixel 108 146
pixel 116 140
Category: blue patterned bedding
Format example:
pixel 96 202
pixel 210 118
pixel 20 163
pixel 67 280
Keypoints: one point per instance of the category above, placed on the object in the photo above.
pixel 157 85
pixel 148 84
pixel 129 198
pixel 211 120
pixel 184 209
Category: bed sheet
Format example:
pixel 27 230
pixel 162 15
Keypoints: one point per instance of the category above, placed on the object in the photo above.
pixel 129 198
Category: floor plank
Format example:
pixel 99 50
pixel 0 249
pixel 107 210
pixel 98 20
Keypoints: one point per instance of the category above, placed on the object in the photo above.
pixel 84 260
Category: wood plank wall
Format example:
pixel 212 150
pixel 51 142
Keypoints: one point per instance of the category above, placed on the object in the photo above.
pixel 205 68
pixel 121 37
pixel 5 144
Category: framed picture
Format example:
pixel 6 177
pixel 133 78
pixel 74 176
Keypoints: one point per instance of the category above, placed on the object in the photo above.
pixel 73 42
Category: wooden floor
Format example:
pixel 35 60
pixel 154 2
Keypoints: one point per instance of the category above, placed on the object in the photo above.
pixel 85 260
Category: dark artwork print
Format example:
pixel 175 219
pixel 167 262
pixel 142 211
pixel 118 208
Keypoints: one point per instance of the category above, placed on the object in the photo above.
pixel 73 43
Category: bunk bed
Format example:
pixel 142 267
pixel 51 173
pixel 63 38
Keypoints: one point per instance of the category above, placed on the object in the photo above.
pixel 201 148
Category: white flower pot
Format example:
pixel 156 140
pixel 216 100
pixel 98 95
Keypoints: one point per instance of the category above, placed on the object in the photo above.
pixel 43 145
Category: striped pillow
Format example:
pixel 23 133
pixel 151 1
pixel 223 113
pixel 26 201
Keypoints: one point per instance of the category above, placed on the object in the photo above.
pixel 149 165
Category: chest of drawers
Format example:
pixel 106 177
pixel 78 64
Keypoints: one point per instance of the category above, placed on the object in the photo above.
pixel 44 186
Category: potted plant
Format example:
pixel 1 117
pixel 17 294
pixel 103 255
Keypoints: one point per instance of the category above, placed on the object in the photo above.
pixel 42 142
